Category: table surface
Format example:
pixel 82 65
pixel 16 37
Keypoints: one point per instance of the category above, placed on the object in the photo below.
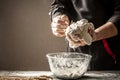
pixel 89 75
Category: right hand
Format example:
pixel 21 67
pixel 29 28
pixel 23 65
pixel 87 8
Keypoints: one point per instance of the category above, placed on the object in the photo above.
pixel 59 25
pixel 80 33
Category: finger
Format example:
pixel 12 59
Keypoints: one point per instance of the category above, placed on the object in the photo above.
pixel 71 41
pixel 58 25
pixel 59 21
pixel 81 42
pixel 73 45
pixel 69 38
pixel 75 38
pixel 91 32
pixel 58 32
pixel 91 25
pixel 62 19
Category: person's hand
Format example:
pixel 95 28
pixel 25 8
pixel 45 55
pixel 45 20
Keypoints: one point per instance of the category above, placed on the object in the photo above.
pixel 76 42
pixel 80 33
pixel 59 25
pixel 79 40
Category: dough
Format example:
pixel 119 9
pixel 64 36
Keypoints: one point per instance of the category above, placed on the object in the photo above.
pixel 80 29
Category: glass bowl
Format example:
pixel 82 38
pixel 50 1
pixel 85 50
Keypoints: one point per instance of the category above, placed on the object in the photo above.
pixel 68 65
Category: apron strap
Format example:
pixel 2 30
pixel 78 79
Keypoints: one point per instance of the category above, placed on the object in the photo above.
pixel 109 51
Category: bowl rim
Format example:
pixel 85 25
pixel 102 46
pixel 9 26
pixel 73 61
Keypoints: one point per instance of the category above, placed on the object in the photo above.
pixel 48 54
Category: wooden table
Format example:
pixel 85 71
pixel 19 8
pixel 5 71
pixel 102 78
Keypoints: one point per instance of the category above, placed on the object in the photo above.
pixel 90 75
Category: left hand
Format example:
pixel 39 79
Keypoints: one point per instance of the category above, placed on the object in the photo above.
pixel 59 25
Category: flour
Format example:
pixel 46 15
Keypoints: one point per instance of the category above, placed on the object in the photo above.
pixel 69 66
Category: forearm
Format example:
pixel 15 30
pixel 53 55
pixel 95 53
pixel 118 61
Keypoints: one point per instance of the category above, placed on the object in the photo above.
pixel 106 31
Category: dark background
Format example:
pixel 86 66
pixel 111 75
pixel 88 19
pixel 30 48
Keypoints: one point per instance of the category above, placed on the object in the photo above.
pixel 25 35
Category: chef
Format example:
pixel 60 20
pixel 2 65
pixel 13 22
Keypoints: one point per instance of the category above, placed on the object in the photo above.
pixel 104 35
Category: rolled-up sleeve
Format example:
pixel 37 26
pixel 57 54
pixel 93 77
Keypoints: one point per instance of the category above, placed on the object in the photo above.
pixel 115 19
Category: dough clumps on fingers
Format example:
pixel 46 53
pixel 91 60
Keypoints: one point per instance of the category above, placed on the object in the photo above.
pixel 79 32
